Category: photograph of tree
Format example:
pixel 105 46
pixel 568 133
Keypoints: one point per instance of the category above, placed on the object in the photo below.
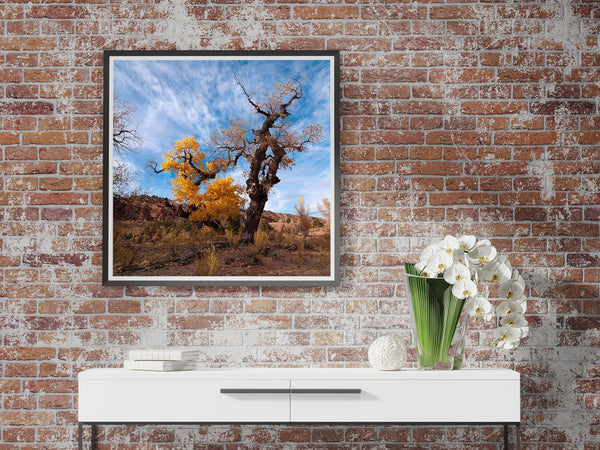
pixel 220 168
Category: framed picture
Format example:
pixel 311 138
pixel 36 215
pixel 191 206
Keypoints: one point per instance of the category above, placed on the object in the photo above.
pixel 221 168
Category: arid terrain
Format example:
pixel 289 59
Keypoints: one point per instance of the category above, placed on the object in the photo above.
pixel 153 236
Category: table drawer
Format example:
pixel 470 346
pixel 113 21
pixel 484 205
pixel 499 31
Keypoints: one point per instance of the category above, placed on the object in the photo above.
pixel 409 400
pixel 147 400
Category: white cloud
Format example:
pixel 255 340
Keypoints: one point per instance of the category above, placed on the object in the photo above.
pixel 189 98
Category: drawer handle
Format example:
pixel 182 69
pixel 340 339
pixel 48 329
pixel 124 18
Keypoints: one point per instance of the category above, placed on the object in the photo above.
pixel 288 391
pixel 326 391
pixel 254 391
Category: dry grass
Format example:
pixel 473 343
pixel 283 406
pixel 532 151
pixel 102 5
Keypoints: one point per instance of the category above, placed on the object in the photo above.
pixel 181 247
pixel 208 263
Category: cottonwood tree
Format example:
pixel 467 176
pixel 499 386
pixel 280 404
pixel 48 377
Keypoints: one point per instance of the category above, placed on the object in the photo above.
pixel 125 138
pixel 325 210
pixel 268 142
pixel 125 182
pixel 303 214
pixel 125 135
pixel 196 182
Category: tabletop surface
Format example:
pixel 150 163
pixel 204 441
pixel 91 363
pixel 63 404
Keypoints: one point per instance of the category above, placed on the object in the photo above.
pixel 299 374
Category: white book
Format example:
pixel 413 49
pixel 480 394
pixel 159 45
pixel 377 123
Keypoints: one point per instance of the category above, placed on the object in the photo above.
pixel 164 354
pixel 159 366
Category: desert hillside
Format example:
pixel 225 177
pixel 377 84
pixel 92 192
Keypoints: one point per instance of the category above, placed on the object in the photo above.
pixel 153 236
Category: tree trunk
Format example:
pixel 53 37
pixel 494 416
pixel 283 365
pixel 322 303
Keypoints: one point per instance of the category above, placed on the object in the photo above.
pixel 253 215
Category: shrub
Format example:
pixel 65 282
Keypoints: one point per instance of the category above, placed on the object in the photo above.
pixel 261 242
pixel 208 263
pixel 304 220
pixel 264 226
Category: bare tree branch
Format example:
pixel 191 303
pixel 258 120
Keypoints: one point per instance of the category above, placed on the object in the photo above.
pixel 248 97
pixel 154 166
pixel 125 136
pixel 267 149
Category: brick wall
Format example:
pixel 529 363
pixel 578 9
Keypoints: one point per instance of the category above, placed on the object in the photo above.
pixel 474 117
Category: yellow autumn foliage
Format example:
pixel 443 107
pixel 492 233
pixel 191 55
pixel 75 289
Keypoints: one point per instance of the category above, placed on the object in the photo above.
pixel 221 200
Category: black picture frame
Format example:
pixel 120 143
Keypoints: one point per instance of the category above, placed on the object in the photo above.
pixel 123 260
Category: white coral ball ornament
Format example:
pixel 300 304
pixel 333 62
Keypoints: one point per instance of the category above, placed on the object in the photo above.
pixel 387 353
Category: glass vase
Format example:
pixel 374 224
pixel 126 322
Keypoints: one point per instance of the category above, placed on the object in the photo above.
pixel 439 324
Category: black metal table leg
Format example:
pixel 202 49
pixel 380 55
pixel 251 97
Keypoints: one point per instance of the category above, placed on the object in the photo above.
pixel 94 430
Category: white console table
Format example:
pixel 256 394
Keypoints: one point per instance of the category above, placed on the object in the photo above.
pixel 308 396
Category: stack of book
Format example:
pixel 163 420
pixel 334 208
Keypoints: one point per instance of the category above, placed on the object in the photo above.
pixel 162 359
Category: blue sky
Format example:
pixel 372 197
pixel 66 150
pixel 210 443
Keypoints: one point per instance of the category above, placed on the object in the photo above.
pixel 191 97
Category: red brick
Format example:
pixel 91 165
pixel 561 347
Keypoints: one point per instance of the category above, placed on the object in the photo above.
pixel 425 43
pixel 260 306
pixel 27 353
pixel 481 107
pixel 18 435
pixel 496 168
pixel 458 138
pixel 530 75
pixel 22 91
pixel 391 137
pixel 58 12
pixel 123 306
pixel 563 107
pixel 57 198
pixel 463 198
pixel 40 259
pixel 365 44
pixel 26 418
pixel 27 168
pixel 460 12
pixel 26 108
pixel 196 322
pixel 393 75
pixel 326 12
pixel 461 75
pixel 526 138
pixel 289 434
pixel 327 435
pixel 115 322
pixel 391 11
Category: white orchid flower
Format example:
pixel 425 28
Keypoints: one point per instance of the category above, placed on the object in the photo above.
pixel 523 303
pixel 427 273
pixel 504 260
pixel 518 321
pixel 509 307
pixel 466 263
pixel 449 244
pixel 466 242
pixel 515 319
pixel 482 253
pixel 495 271
pixel 479 307
pixel 438 262
pixel 427 252
pixel 518 278
pixel 511 289
pixel 524 331
pixel 507 337
pixel 460 257
pixel 464 288
pixel 456 272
